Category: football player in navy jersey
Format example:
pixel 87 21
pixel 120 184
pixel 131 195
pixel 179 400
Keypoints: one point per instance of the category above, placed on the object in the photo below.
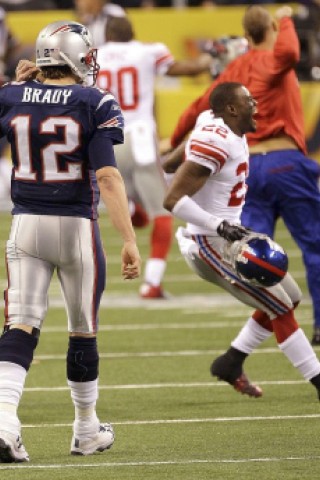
pixel 62 135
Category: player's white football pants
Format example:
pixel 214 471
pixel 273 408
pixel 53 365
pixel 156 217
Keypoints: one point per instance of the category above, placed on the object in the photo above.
pixel 205 256
pixel 39 244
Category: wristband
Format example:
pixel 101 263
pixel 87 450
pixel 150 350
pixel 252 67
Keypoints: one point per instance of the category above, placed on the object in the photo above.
pixel 188 210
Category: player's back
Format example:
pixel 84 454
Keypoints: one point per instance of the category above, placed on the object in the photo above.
pixel 128 70
pixel 49 128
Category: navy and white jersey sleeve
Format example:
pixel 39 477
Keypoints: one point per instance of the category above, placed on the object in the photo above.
pixel 59 135
pixel 109 128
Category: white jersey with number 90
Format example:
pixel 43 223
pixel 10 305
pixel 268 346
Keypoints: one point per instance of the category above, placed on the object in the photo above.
pixel 128 70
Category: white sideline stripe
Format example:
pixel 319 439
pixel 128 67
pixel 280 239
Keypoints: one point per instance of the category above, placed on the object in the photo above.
pixel 150 386
pixel 158 463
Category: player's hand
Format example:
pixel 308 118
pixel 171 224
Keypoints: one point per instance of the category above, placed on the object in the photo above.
pixel 231 232
pixel 131 261
pixel 284 11
pixel 26 70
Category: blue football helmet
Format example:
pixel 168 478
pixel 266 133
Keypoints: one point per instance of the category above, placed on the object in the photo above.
pixel 259 260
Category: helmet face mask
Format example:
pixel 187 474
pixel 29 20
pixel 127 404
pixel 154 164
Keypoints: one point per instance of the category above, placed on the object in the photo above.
pixel 258 260
pixel 67 43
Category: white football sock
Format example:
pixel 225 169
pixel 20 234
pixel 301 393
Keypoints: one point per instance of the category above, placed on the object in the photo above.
pixel 12 379
pixel 84 396
pixel 154 271
pixel 298 350
pixel 250 336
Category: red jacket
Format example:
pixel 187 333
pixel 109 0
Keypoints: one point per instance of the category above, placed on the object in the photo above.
pixel 271 79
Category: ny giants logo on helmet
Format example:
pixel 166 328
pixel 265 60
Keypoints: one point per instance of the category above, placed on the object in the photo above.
pixel 259 260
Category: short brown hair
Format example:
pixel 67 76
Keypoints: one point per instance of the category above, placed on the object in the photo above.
pixel 256 22
pixel 56 72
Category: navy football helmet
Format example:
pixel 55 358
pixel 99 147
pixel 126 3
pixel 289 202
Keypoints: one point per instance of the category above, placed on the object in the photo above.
pixel 259 260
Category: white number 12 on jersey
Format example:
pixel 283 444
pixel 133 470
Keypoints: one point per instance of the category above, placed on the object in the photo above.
pixel 49 154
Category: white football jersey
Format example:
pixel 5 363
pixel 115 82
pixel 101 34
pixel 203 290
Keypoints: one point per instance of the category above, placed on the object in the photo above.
pixel 214 145
pixel 128 70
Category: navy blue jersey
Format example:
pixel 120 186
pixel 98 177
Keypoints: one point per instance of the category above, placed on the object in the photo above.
pixel 59 135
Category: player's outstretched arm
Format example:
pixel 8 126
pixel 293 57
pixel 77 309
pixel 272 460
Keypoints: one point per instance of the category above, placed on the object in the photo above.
pixel 114 196
pixel 191 67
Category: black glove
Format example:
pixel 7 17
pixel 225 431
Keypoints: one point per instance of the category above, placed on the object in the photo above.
pixel 231 232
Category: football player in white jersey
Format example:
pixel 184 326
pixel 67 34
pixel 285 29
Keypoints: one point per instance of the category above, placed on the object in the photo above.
pixel 128 68
pixel 208 192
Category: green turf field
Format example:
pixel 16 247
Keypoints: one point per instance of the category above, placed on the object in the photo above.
pixel 172 420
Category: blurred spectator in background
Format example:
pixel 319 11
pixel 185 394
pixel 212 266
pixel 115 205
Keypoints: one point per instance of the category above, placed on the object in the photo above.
pixel 19 5
pixel 11 51
pixel 94 14
pixel 64 4
pixel 307 24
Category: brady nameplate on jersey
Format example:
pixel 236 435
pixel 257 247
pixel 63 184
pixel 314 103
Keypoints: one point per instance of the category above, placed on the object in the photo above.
pixel 35 95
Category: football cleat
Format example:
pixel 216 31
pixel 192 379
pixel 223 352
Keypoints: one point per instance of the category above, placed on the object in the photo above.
pixel 243 385
pixel 98 442
pixel 152 292
pixel 12 449
pixel 231 373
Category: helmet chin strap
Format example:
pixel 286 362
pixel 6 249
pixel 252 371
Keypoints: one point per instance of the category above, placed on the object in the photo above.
pixel 72 66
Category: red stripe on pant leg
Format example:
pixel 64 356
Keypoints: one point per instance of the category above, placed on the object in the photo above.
pixel 263 320
pixel 6 295
pixel 161 237
pixel 284 326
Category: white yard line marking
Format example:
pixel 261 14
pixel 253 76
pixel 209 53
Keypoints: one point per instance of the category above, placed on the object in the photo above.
pixel 158 463
pixel 150 386
pixel 170 326
pixel 176 421
pixel 182 353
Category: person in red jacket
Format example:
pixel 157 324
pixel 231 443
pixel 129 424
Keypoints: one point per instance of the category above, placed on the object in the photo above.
pixel 282 181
